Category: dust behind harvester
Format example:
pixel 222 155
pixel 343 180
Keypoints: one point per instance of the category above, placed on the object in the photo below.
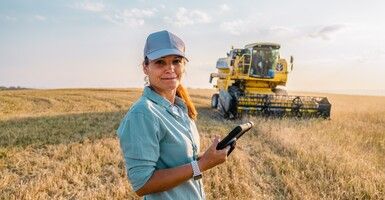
pixel 248 81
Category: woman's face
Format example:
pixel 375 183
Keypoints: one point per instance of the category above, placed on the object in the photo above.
pixel 165 73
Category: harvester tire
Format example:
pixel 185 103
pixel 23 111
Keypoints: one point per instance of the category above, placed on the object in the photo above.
pixel 214 100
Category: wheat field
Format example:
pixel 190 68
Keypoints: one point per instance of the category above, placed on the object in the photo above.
pixel 61 144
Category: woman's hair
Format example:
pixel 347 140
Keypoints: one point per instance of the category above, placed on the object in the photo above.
pixel 182 92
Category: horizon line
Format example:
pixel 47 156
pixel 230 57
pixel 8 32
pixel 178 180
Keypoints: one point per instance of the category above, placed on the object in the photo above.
pixel 364 92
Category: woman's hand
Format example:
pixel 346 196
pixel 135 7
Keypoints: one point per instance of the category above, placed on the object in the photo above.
pixel 165 179
pixel 213 157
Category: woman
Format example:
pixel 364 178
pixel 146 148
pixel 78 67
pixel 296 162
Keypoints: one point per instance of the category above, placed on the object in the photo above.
pixel 158 136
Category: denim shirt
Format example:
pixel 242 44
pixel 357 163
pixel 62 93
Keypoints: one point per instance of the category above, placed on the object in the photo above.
pixel 155 135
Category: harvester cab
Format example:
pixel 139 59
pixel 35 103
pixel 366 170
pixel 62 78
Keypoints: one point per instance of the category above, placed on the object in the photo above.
pixel 249 79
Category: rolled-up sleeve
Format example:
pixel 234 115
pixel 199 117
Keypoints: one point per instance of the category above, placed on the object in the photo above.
pixel 139 140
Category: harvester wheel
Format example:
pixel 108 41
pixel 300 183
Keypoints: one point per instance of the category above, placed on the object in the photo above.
pixel 297 104
pixel 214 100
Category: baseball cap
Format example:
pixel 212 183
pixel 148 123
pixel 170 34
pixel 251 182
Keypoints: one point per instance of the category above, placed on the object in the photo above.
pixel 163 43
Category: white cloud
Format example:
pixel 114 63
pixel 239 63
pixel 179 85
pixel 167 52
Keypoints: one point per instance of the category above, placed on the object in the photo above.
pixel 40 18
pixel 367 56
pixel 185 17
pixel 283 33
pixel 326 32
pixel 91 6
pixel 132 17
pixel 9 18
pixel 280 30
pixel 236 27
pixel 252 28
pixel 121 20
pixel 139 13
pixel 224 7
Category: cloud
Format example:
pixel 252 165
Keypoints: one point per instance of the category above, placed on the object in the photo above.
pixel 132 17
pixel 367 56
pixel 224 7
pixel 326 32
pixel 90 6
pixel 9 18
pixel 185 17
pixel 121 20
pixel 39 18
pixel 252 28
pixel 139 13
pixel 281 30
pixel 236 27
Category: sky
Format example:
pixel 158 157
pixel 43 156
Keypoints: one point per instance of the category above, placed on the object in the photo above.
pixel 338 46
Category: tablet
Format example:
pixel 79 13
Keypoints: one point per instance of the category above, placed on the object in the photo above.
pixel 235 134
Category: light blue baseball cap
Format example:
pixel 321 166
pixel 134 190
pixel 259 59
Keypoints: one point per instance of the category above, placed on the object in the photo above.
pixel 163 43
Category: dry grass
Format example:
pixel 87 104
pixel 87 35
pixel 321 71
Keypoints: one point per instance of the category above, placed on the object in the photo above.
pixel 61 144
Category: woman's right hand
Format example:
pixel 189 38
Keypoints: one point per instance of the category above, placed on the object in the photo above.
pixel 213 157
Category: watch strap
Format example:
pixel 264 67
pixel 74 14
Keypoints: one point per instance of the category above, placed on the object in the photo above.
pixel 196 171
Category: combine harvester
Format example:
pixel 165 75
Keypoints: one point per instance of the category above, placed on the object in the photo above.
pixel 248 80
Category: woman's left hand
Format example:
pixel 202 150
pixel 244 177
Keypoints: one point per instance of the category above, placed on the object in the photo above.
pixel 213 157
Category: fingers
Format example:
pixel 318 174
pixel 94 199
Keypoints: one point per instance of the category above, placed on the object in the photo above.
pixel 227 149
pixel 224 151
pixel 216 139
pixel 213 157
pixel 234 144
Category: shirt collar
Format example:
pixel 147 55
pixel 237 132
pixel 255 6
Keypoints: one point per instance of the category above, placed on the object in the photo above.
pixel 155 97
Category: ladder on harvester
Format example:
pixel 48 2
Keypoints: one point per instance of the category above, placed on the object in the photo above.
pixel 245 64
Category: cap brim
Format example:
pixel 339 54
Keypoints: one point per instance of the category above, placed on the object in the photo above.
pixel 165 52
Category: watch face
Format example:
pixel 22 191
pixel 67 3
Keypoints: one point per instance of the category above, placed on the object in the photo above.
pixel 198 177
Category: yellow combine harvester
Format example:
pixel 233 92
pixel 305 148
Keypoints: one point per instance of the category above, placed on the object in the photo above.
pixel 248 80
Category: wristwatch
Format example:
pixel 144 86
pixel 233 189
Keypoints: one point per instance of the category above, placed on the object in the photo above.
pixel 196 171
